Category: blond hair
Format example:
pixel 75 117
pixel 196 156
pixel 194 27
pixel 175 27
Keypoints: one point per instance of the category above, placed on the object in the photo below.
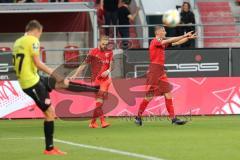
pixel 104 38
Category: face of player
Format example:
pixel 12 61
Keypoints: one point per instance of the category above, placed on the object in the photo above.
pixel 103 44
pixel 36 33
pixel 185 7
pixel 161 33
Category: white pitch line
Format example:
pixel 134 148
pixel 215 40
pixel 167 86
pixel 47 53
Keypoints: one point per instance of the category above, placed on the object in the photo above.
pixel 130 154
pixel 22 138
pixel 108 150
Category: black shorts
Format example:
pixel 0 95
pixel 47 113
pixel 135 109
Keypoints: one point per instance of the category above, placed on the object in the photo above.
pixel 40 93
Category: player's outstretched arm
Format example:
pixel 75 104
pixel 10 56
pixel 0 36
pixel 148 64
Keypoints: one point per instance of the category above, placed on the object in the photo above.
pixel 176 39
pixel 184 40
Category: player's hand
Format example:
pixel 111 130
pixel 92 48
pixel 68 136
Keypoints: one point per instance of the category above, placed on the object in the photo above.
pixel 194 36
pixel 105 74
pixel 189 34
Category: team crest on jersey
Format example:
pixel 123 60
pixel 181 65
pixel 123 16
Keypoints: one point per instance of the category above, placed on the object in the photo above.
pixel 36 47
pixel 159 39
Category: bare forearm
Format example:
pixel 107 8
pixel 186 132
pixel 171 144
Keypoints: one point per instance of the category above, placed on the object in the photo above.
pixel 174 39
pixel 184 40
pixel 44 68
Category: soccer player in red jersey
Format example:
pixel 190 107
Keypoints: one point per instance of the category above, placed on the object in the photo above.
pixel 157 82
pixel 101 60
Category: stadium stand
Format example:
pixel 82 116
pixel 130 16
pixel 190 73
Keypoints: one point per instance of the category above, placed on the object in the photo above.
pixel 133 32
pixel 71 56
pixel 213 15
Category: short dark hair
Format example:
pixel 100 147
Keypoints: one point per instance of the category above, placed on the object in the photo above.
pixel 33 24
pixel 158 27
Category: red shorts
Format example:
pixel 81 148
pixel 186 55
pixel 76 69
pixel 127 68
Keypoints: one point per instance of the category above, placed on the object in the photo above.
pixel 157 85
pixel 104 85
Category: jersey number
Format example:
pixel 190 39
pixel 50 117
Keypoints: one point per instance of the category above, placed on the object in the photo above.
pixel 19 56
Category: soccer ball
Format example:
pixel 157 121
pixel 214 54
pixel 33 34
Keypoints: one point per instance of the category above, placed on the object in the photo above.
pixel 171 18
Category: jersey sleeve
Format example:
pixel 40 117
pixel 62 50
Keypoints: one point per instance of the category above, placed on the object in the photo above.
pixel 35 48
pixel 157 43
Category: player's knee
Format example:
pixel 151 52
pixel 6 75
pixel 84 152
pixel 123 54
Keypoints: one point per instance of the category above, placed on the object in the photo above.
pixel 168 95
pixel 148 98
pixel 49 114
pixel 49 118
pixel 99 100
pixel 66 83
pixel 102 95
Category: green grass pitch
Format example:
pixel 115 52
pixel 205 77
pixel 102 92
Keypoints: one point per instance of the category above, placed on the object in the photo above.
pixel 204 138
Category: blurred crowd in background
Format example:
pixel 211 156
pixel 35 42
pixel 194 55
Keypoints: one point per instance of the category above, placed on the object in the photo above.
pixel 118 12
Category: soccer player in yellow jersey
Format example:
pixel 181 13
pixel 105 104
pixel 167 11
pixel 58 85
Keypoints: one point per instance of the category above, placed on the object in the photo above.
pixel 27 63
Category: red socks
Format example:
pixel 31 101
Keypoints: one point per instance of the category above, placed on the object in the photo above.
pixel 98 112
pixel 170 108
pixel 142 107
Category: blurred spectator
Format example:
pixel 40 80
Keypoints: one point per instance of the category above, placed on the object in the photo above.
pixel 110 8
pixel 187 17
pixel 124 17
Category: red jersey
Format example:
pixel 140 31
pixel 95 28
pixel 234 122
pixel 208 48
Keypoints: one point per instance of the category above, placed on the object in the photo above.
pixel 100 62
pixel 157 52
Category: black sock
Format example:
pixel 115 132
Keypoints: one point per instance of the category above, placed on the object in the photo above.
pixel 77 87
pixel 48 132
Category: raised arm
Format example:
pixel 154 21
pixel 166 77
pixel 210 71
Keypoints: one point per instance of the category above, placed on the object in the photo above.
pixel 176 39
pixel 184 40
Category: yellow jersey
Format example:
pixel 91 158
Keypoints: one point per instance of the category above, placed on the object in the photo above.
pixel 23 51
